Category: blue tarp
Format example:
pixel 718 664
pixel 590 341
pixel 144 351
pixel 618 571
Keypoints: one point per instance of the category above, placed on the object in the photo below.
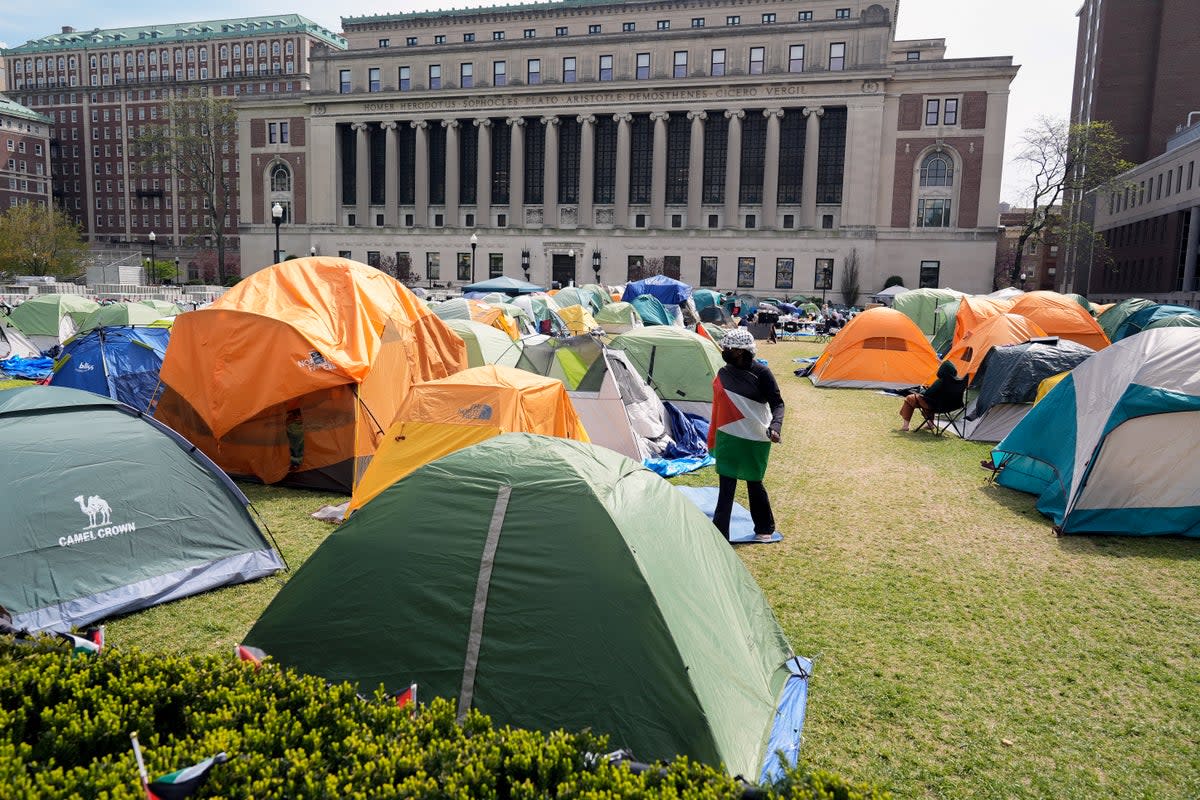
pixel 741 524
pixel 667 291
pixel 30 368
pixel 118 362
pixel 689 450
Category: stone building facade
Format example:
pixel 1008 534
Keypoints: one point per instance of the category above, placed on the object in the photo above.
pixel 100 89
pixel 755 145
pixel 25 157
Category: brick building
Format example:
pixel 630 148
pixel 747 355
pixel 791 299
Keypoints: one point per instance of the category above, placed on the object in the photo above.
pixel 1039 261
pixel 755 144
pixel 25 158
pixel 101 88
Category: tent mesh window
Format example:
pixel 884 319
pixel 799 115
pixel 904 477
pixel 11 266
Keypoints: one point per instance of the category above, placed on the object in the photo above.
pixel 884 343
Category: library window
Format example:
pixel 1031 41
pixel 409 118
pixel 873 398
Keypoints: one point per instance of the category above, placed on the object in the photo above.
pixel 681 61
pixel 499 73
pixel 533 75
pixel 344 81
pixel 757 60
pixel 569 69
pixel 950 112
pixel 733 20
pixel 932 108
pixel 768 19
pixel 837 56
pixel 606 68
pixel 841 13
pixel 796 58
pixel 697 22
pixel 643 66
pixel 718 63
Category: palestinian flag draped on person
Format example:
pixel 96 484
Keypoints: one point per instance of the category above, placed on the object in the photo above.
pixel 738 436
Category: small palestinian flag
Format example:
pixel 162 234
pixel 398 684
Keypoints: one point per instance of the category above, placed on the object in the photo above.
pixel 700 331
pixel 88 642
pixel 244 652
pixel 183 783
pixel 407 697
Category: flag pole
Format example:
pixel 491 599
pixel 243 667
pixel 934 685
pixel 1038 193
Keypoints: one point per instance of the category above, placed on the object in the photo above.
pixel 137 752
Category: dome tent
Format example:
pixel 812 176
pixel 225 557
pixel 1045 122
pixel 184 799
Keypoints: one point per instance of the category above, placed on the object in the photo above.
pixel 122 363
pixel 50 319
pixel 880 348
pixel 679 364
pixel 605 607
pixel 996 331
pixel 485 344
pixel 1059 315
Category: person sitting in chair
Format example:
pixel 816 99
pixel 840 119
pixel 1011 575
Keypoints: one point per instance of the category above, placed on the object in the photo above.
pixel 945 394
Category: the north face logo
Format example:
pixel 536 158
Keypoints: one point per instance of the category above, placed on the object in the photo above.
pixel 476 411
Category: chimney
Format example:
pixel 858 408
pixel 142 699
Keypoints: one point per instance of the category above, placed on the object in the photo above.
pixel 67 29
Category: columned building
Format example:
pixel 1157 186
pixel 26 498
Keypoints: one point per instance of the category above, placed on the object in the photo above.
pixel 102 88
pixel 25 159
pixel 749 145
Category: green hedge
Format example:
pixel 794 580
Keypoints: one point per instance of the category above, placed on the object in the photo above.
pixel 65 723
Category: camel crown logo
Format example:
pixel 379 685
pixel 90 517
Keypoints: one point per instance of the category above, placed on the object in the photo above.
pixel 99 514
pixel 95 507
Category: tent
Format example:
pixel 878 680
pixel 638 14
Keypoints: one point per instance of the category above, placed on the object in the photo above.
pixel 293 374
pixel 542 311
pixel 119 314
pixel 1115 446
pixel 121 363
pixel 1176 321
pixel 880 348
pixel 108 511
pixel 461 308
pixel 595 624
pixel 1146 317
pixel 443 416
pixel 600 294
pixel 1007 383
pixel 679 365
pixel 1083 301
pixel 619 410
pixel 15 343
pixel 717 315
pixel 164 308
pixel 996 331
pixel 485 344
pixel 921 305
pixel 889 295
pixel 706 298
pixel 667 291
pixel 1059 315
pixel 50 319
pixel 575 296
pixel 618 317
pixel 1009 293
pixel 505 285
pixel 1111 319
pixel 652 311
pixel 578 320
pixel 972 311
pixel 945 321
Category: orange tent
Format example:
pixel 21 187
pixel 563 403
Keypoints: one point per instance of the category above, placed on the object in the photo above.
pixel 292 375
pixel 443 416
pixel 1061 316
pixel 973 311
pixel 880 348
pixel 996 331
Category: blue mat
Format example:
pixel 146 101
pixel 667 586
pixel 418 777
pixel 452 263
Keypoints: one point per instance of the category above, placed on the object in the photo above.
pixel 789 722
pixel 741 525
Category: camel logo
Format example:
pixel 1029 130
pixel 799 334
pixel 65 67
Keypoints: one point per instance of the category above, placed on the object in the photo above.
pixel 99 514
pixel 476 411
pixel 84 366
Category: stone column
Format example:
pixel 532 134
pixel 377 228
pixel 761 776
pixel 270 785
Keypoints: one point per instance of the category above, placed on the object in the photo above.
pixel 658 171
pixel 621 187
pixel 516 173
pixel 550 173
pixel 1189 262
pixel 391 173
pixel 696 169
pixel 812 143
pixel 362 174
pixel 770 203
pixel 733 167
pixel 421 172
pixel 451 126
pixel 587 169
pixel 483 173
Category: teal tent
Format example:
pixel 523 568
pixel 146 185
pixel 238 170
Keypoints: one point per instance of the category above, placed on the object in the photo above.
pixel 558 585
pixel 1111 319
pixel 505 285
pixel 108 511
pixel 706 298
pixel 1146 317
pixel 651 310
pixel 618 317
pixel 945 317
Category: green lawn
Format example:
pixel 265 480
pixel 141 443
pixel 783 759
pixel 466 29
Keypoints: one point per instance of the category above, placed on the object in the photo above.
pixel 961 649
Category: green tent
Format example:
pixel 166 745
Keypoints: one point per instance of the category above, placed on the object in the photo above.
pixel 164 308
pixel 485 344
pixel 1111 320
pixel 677 362
pixel 618 317
pixel 108 511
pixel 1176 321
pixel 1083 301
pixel 603 298
pixel 705 298
pixel 945 317
pixel 920 305
pixel 575 296
pixel 635 618
pixel 51 319
pixel 119 314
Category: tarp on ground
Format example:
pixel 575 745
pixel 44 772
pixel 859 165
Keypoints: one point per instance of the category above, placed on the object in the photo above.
pixel 108 511
pixel 667 291
pixel 1059 315
pixel 114 314
pixel 920 305
pixel 1115 446
pixel 677 363
pixel 606 607
pixel 1144 318
pixel 122 363
pixel 293 375
pixel 1111 319
pixel 485 344
pixel 880 348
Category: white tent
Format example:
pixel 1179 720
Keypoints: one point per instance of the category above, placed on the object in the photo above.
pixel 887 295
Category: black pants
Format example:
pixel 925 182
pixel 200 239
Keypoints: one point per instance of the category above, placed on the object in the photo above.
pixel 760 506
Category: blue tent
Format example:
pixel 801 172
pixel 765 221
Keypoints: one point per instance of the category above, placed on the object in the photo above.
pixel 1142 318
pixel 1115 446
pixel 651 310
pixel 121 363
pixel 667 291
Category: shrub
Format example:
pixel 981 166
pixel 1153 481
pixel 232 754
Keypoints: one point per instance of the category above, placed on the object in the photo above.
pixel 65 725
pixel 893 280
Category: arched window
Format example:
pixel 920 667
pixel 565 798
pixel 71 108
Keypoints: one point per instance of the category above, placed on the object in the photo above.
pixel 937 170
pixel 281 178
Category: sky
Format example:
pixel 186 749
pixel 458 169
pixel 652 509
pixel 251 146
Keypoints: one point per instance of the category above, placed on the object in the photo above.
pixel 1038 34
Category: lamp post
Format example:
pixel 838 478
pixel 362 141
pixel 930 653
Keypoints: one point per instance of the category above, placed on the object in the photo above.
pixel 596 264
pixel 474 244
pixel 312 251
pixel 1022 281
pixel 570 255
pixel 525 264
pixel 277 218
pixel 153 277
pixel 176 267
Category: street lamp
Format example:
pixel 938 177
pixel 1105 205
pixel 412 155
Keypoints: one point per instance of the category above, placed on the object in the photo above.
pixel 277 218
pixel 596 264
pixel 153 278
pixel 1022 281
pixel 176 267
pixel 474 244
pixel 525 263
pixel 312 251
pixel 571 255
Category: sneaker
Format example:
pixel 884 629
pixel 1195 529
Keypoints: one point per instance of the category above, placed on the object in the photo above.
pixel 764 537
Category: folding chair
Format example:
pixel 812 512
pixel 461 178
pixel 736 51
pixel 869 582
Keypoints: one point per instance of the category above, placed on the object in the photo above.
pixel 942 417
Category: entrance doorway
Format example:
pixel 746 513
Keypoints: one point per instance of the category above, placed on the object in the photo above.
pixel 562 269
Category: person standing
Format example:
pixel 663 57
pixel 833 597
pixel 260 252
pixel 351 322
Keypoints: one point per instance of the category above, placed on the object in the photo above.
pixel 747 417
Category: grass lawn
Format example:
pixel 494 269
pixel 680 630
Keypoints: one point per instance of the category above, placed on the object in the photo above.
pixel 961 649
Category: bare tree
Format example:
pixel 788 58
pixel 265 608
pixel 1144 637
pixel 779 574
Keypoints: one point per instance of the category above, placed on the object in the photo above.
pixel 850 284
pixel 1064 163
pixel 196 145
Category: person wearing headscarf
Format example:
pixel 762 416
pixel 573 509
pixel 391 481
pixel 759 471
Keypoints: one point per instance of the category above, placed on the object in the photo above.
pixel 747 418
